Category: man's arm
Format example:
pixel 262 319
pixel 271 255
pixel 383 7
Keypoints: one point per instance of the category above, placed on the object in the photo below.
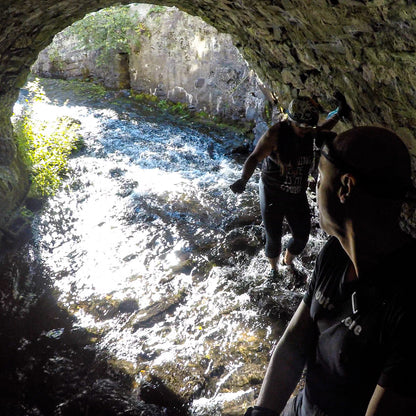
pixel 288 360
pixel 329 123
pixel 264 147
pixel 385 402
pixel 343 111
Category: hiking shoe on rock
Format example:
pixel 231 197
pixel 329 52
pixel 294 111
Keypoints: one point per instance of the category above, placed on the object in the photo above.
pixel 273 275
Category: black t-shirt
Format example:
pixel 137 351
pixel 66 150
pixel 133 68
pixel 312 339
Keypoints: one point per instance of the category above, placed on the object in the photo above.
pixel 294 178
pixel 364 332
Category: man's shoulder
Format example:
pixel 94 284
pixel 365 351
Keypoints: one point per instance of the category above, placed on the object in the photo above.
pixel 269 139
pixel 331 262
pixel 329 267
pixel 332 249
pixel 280 126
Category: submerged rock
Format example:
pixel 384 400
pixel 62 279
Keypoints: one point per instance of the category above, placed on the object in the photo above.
pixel 105 398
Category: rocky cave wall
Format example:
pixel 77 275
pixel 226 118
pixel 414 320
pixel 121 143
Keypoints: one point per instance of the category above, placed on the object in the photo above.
pixel 363 48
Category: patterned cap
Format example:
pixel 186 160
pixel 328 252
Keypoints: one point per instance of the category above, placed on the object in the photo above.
pixel 304 110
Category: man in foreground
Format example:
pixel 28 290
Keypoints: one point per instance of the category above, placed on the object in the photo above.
pixel 353 329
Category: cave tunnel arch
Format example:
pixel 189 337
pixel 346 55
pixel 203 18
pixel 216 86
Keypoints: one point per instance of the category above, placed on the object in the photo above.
pixel 363 48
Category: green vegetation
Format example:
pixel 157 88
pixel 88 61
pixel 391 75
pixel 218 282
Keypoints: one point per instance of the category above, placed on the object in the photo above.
pixel 109 31
pixel 268 112
pixel 56 59
pixel 82 89
pixel 182 111
pixel 143 97
pixel 44 145
pixel 157 9
pixel 178 108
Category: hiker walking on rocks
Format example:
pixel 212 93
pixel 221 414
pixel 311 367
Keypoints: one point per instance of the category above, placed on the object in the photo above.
pixel 286 151
pixel 353 329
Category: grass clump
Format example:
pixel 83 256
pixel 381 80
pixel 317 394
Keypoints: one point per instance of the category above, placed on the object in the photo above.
pixel 44 145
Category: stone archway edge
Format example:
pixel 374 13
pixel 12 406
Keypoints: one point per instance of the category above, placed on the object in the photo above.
pixel 365 50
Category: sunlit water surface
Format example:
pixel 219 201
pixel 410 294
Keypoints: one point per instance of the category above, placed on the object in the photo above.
pixel 142 246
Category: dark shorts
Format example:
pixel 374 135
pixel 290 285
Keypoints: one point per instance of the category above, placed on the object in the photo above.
pixel 277 205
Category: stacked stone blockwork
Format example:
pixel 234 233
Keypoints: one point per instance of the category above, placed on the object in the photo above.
pixel 363 48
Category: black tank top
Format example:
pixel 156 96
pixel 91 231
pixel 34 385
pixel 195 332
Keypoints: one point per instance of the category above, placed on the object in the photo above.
pixel 293 178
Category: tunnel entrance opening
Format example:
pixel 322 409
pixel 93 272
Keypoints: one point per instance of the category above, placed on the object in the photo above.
pixel 331 48
pixel 157 306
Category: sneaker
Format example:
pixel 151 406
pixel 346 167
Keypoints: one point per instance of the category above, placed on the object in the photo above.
pixel 273 275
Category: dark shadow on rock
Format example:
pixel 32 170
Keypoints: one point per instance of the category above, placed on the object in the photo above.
pixel 154 391
pixel 49 366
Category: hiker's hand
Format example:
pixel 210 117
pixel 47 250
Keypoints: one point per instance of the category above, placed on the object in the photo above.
pixel 344 110
pixel 260 411
pixel 239 186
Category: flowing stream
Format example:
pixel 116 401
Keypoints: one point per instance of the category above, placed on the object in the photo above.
pixel 146 246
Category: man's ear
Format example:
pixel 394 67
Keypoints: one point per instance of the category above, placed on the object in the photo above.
pixel 347 185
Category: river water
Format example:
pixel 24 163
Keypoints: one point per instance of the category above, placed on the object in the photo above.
pixel 147 248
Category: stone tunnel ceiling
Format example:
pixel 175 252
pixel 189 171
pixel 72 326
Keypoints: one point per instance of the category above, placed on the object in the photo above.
pixel 366 49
